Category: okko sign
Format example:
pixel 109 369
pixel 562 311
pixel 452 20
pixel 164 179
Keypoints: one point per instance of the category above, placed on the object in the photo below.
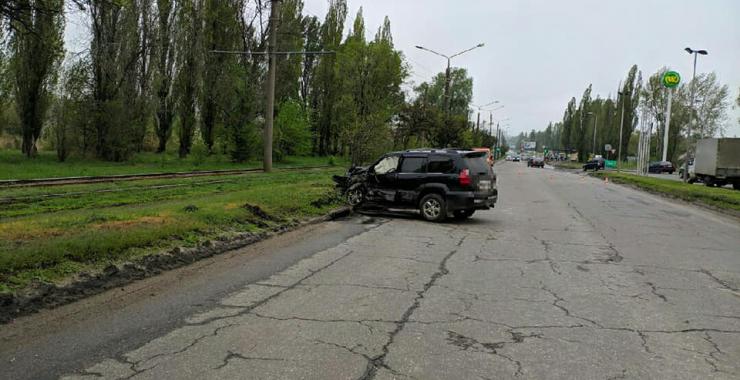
pixel 671 79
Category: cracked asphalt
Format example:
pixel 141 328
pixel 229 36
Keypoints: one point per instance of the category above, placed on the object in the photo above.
pixel 567 278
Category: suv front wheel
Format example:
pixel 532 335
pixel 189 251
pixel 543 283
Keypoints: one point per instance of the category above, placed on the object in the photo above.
pixel 433 208
pixel 355 195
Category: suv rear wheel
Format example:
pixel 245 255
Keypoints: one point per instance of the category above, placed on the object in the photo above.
pixel 433 208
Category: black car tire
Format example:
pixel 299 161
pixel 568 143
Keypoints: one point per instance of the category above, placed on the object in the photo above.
pixel 433 208
pixel 463 214
pixel 355 195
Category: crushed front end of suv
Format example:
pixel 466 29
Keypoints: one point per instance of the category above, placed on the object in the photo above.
pixel 439 183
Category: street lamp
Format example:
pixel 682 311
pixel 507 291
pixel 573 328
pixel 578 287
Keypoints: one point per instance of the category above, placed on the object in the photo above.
pixel 447 72
pixel 691 117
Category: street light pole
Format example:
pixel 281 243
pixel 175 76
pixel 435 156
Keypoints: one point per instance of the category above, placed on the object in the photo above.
pixel 448 72
pixel 447 89
pixel 691 117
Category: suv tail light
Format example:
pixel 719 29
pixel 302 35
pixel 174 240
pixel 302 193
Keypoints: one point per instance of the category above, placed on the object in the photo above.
pixel 465 179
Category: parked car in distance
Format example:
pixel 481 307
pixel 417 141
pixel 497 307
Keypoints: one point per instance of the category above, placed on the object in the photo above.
pixel 595 164
pixel 536 162
pixel 515 159
pixel 661 167
pixel 436 182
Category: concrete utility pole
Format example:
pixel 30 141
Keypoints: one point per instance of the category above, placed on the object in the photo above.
pixel 481 108
pixel 270 107
pixel 272 54
pixel 621 127
pixel 691 118
pixel 593 148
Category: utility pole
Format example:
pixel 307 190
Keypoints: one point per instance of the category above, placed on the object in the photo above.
pixel 272 54
pixel 481 108
pixel 498 135
pixel 621 126
pixel 593 148
pixel 477 124
pixel 691 118
pixel 270 107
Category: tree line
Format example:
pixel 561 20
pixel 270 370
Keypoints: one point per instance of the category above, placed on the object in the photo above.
pixel 590 123
pixel 188 74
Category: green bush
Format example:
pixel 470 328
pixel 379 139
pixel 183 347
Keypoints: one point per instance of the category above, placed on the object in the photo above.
pixel 292 134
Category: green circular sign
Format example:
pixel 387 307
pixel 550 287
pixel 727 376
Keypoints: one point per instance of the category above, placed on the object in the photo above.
pixel 671 79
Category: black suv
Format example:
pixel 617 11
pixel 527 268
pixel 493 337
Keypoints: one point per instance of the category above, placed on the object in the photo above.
pixel 437 182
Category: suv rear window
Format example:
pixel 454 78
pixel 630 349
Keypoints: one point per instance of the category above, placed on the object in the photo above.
pixel 440 164
pixel 413 165
pixel 477 165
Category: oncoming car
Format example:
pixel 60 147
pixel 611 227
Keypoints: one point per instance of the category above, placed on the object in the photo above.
pixel 437 182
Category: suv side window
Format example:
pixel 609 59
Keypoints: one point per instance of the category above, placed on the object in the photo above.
pixel 386 165
pixel 440 164
pixel 413 165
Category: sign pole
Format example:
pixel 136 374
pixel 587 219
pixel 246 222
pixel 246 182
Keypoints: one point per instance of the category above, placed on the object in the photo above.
pixel 671 79
pixel 667 124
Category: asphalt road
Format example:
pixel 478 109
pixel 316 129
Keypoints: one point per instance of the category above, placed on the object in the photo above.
pixel 569 277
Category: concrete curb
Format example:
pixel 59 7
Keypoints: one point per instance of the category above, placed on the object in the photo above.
pixel 38 295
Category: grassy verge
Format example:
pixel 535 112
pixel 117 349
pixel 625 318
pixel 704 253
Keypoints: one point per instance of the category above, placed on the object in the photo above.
pixel 51 234
pixel 721 198
pixel 567 164
pixel 13 165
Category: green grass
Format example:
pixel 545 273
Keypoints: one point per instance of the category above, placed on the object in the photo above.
pixel 14 165
pixel 568 164
pixel 89 226
pixel 718 197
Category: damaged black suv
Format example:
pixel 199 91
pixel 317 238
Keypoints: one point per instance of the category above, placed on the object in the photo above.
pixel 437 182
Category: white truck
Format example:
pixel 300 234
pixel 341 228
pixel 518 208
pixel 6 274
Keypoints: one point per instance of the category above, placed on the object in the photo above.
pixel 717 161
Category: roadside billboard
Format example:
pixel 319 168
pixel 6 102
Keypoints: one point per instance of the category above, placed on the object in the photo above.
pixel 529 145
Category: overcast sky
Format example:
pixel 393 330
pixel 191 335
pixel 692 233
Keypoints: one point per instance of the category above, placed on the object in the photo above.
pixel 540 53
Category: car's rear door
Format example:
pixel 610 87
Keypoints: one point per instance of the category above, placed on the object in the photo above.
pixel 441 170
